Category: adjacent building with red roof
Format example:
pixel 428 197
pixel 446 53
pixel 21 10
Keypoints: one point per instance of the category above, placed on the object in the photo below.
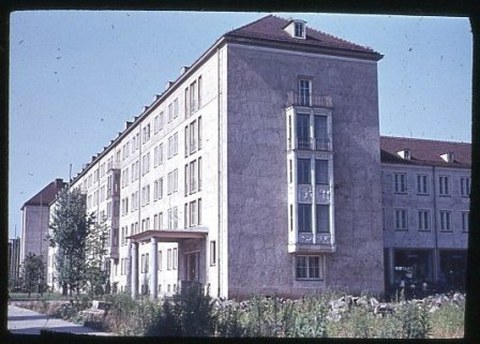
pixel 426 202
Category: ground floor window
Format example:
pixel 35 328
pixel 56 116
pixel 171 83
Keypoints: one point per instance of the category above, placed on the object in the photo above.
pixel 309 267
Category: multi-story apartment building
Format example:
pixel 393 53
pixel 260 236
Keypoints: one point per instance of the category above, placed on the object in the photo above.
pixel 248 173
pixel 13 261
pixel 426 190
pixel 35 219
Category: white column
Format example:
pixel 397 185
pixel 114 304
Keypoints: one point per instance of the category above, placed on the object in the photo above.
pixel 153 268
pixel 134 282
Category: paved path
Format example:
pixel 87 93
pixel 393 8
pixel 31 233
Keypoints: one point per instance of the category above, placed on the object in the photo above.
pixel 25 321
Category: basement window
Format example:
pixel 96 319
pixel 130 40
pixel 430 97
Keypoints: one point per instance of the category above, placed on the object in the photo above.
pixel 309 268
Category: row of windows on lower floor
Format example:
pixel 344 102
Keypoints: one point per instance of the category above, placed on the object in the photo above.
pixel 144 290
pixel 423 219
pixel 306 267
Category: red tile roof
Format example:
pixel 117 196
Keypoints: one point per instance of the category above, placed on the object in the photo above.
pixel 46 195
pixel 425 152
pixel 271 28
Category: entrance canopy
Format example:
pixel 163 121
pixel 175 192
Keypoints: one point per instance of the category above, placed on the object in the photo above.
pixel 170 235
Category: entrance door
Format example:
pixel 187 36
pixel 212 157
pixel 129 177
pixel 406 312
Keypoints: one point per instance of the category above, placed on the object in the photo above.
pixel 191 261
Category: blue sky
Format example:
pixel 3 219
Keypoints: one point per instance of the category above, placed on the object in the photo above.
pixel 77 76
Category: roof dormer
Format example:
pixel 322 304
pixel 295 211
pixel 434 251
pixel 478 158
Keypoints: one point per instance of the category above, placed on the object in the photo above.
pixel 405 154
pixel 297 28
pixel 447 157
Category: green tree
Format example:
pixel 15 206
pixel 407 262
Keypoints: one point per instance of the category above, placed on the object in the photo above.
pixel 69 230
pixel 33 273
pixel 97 272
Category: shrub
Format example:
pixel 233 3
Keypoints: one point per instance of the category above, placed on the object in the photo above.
pixel 189 314
pixel 448 321
pixel 414 320
pixel 229 322
pixel 130 317
pixel 310 317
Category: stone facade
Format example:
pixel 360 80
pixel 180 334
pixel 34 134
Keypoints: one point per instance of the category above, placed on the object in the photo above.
pixel 257 170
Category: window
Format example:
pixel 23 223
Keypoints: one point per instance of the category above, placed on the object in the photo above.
pixel 200 91
pixel 422 184
pixel 193 176
pixel 160 260
pixel 321 171
pixel 303 131
pixel 175 108
pixel 185 102
pixel 155 125
pixel 199 206
pixel 323 219
pixel 160 154
pixel 423 220
pixel 172 182
pixel 193 213
pixel 146 262
pixel 193 136
pixel 199 173
pixel 155 157
pixel 465 186
pixel 160 188
pixel 161 121
pixel 213 253
pixel 308 267
pixel 175 180
pixel 299 30
pixel 175 260
pixel 305 218
pixel 172 145
pixel 401 219
pixel 145 164
pixel 465 221
pixel 304 91
pixel 445 220
pixel 444 185
pixel 303 171
pixel 172 218
pixel 321 134
pixel 291 217
pixel 290 171
pixel 290 131
pixel 155 190
pixel 199 124
pixel 170 112
pixel 400 183
pixel 186 141
pixel 145 195
pixel 160 220
pixel 193 97
pixel 169 259
pixel 185 215
pixel 146 133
